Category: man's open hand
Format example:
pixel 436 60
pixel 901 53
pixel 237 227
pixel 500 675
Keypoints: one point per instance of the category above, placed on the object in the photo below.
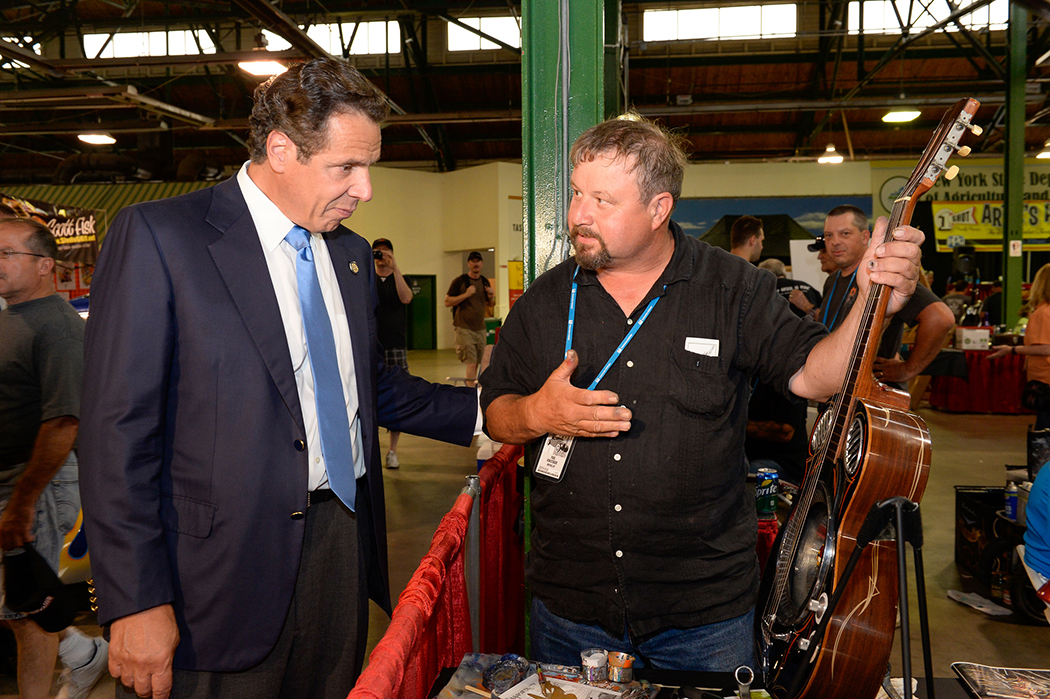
pixel 557 408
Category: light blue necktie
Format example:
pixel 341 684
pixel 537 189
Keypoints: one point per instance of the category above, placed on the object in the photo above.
pixel 328 387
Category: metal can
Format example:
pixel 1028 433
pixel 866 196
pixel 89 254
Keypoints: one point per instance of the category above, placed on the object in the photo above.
pixel 595 664
pixel 620 667
pixel 767 486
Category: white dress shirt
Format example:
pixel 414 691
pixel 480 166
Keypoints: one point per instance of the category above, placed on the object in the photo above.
pixel 273 226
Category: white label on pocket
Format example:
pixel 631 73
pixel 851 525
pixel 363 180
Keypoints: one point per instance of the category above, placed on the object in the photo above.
pixel 702 346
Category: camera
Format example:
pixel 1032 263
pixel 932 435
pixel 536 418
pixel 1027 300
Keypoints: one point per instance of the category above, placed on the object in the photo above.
pixel 378 254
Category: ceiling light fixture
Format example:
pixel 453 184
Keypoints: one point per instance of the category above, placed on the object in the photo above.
pixel 97 139
pixel 262 68
pixel 1045 153
pixel 830 155
pixel 901 116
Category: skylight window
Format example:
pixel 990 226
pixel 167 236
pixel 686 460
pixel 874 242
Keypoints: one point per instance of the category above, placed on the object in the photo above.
pixel 137 44
pixel 503 28
pixel 879 17
pixel 736 22
pixel 371 38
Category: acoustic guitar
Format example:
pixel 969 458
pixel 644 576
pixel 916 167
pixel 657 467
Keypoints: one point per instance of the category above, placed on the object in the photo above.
pixel 865 448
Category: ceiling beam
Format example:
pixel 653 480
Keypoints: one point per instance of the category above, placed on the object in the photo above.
pixel 98 65
pixel 284 26
pixel 15 52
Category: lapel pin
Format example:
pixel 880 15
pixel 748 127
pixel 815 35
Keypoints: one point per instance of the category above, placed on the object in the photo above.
pixel 353 267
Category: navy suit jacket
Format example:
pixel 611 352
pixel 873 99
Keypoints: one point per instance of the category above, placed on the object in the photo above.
pixel 189 468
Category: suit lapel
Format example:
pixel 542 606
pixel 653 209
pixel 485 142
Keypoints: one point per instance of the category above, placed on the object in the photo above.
pixel 238 255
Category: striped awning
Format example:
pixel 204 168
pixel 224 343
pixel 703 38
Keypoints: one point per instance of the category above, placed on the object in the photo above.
pixel 108 199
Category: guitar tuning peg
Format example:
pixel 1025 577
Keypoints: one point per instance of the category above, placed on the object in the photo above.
pixel 951 172
pixel 964 151
pixel 976 130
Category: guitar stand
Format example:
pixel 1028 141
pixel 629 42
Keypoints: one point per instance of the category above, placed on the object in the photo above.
pixel 904 516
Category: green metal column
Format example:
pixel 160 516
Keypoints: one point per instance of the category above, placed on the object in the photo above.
pixel 615 59
pixel 1013 165
pixel 562 91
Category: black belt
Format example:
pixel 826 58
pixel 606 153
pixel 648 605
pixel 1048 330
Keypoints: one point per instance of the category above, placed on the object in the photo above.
pixel 314 497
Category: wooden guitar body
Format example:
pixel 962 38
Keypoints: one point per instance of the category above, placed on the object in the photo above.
pixel 894 459
pixel 865 448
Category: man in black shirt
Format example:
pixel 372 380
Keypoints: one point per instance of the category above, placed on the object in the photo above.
pixel 846 236
pixel 787 287
pixel 644 531
pixel 391 319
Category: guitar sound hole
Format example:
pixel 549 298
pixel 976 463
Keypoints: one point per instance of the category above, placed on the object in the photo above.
pixel 808 570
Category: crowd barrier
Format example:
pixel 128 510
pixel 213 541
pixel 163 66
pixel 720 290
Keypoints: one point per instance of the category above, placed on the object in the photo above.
pixel 431 625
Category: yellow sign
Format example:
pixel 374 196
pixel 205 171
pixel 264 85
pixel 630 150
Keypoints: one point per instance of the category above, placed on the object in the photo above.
pixel 980 224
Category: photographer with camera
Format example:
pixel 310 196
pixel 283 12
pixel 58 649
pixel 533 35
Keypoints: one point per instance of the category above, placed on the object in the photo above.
pixel 391 319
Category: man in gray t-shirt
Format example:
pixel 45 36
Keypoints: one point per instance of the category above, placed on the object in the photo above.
pixel 41 367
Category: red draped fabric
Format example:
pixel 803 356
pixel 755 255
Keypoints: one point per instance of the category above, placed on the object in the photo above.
pixel 502 613
pixel 430 627
pixel 994 386
pixel 767 534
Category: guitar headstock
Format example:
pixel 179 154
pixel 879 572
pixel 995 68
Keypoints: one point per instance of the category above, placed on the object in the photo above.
pixel 943 144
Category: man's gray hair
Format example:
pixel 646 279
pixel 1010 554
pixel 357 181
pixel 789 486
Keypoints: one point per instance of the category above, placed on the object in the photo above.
pixel 775 266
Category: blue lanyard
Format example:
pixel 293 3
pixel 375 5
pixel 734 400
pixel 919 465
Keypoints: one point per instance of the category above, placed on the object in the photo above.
pixel 842 301
pixel 623 343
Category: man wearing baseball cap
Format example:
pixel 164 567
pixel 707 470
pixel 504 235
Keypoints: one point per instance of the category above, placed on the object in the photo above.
pixel 468 296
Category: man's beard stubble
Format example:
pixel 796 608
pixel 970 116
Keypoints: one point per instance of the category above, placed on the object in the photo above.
pixel 589 260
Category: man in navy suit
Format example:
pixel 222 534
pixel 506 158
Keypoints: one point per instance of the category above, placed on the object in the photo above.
pixel 235 534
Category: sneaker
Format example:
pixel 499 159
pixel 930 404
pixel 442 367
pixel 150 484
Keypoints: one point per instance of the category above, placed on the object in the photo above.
pixel 77 683
pixel 391 460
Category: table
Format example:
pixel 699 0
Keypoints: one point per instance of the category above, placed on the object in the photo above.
pixel 993 386
pixel 944 687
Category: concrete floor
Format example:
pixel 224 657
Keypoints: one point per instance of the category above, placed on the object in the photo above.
pixel 967 450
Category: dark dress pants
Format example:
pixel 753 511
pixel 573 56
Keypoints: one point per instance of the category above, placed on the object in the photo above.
pixel 321 648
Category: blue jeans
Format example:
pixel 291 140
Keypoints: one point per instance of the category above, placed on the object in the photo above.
pixel 720 647
pixel 56 513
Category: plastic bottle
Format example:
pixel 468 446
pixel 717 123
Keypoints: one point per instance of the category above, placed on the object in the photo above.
pixel 1011 501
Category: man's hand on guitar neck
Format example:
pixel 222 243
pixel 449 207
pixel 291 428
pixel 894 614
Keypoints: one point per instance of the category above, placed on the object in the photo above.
pixel 893 262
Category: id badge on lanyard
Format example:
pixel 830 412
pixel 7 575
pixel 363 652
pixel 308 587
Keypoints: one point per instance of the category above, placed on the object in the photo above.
pixel 557 449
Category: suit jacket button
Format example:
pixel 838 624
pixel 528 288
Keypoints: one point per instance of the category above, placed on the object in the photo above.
pixel 300 445
pixel 297 515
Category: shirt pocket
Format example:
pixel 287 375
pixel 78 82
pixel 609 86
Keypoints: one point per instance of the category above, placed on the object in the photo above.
pixel 700 350
pixel 698 383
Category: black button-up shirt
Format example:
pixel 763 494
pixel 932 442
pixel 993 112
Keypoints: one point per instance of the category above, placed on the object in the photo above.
pixel 655 527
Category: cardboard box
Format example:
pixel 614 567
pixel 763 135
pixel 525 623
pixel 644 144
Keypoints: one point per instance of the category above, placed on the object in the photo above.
pixel 973 338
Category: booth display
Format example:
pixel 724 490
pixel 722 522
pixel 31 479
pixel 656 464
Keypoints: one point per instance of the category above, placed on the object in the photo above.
pixel 74 229
pixel 993 386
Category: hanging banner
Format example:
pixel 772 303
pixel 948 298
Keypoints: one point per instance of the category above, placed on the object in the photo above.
pixel 977 181
pixel 73 228
pixel 980 224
